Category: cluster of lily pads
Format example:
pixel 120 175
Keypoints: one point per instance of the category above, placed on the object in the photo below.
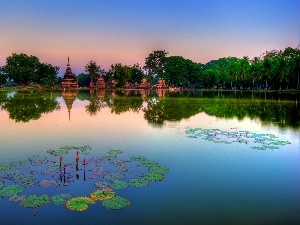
pixel 61 169
pixel 257 140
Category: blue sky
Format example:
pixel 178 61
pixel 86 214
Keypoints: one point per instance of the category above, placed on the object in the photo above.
pixel 126 31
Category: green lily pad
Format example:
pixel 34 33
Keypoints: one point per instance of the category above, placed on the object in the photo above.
pixel 5 167
pixel 11 190
pixel 138 182
pixel 60 199
pixel 119 185
pixel 114 152
pixel 138 158
pixel 158 169
pixel 23 178
pixel 20 163
pixel 58 152
pixel 102 195
pixel 34 201
pixel 116 203
pixel 114 176
pixel 258 148
pixel 79 203
pixel 149 163
pixel 154 177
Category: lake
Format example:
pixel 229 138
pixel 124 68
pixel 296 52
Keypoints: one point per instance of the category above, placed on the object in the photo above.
pixel 193 157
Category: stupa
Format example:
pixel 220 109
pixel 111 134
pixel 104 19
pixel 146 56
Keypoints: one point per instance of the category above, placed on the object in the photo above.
pixel 69 81
pixel 101 83
pixel 143 83
pixel 161 84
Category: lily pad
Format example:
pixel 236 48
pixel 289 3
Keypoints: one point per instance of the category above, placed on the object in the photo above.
pixel 16 198
pixel 138 158
pixel 34 201
pixel 101 184
pixel 119 185
pixel 79 203
pixel 114 176
pixel 158 169
pixel 154 177
pixel 60 199
pixel 116 203
pixel 102 195
pixel 5 167
pixel 46 183
pixel 149 163
pixel 11 190
pixel 114 152
pixel 20 163
pixel 138 182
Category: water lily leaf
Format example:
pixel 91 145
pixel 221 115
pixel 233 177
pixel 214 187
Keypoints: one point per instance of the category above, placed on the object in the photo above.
pixel 34 201
pixel 11 190
pixel 101 184
pixel 158 169
pixel 138 158
pixel 37 160
pixel 58 152
pixel 79 203
pixel 114 152
pixel 114 176
pixel 60 199
pixel 5 167
pixel 102 195
pixel 23 178
pixel 20 163
pixel 154 177
pixel 258 148
pixel 1 185
pixel 122 167
pixel 17 198
pixel 119 185
pixel 116 203
pixel 85 149
pixel 50 172
pixel 46 183
pixel 149 163
pixel 138 182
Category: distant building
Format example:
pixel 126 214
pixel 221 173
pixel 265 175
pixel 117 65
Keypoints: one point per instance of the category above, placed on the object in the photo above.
pixel 69 81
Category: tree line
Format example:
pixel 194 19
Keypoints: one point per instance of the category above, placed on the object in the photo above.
pixel 271 70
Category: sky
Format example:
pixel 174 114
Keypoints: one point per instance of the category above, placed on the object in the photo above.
pixel 127 31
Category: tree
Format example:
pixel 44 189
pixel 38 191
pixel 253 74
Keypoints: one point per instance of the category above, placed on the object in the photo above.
pixel 22 69
pixel 2 76
pixel 83 80
pixel 120 74
pixel 136 74
pixel 48 74
pixel 155 61
pixel 94 70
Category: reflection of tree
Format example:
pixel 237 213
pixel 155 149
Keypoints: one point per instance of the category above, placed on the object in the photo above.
pixel 273 110
pixel 170 109
pixel 94 106
pixel 23 107
pixel 122 104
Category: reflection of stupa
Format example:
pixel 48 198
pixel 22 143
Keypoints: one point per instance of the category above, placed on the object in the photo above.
pixel 69 96
pixel 69 81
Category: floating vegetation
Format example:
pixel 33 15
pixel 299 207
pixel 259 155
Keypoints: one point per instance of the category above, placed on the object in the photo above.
pixel 16 198
pixel 114 176
pixel 243 137
pixel 158 169
pixel 34 201
pixel 119 185
pixel 79 203
pixel 11 190
pixel 101 184
pixel 116 203
pixel 154 177
pixel 60 199
pixel 54 173
pixel 46 183
pixel 138 182
pixel 5 167
pixel 102 195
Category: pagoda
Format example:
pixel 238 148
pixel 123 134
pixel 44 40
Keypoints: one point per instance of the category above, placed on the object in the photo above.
pixel 69 81
pixel 100 83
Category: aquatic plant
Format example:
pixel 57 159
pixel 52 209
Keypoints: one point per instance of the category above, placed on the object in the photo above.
pixel 114 152
pixel 11 190
pixel 158 169
pixel 60 199
pixel 5 167
pixel 138 182
pixel 114 176
pixel 119 185
pixel 79 203
pixel 153 177
pixel 138 158
pixel 116 203
pixel 101 184
pixel 102 195
pixel 34 201
pixel 16 198
pixel 46 183
pixel 149 163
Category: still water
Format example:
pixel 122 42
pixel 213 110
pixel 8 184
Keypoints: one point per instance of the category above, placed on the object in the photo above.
pixel 232 157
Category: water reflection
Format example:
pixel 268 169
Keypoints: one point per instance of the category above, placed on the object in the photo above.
pixel 159 106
